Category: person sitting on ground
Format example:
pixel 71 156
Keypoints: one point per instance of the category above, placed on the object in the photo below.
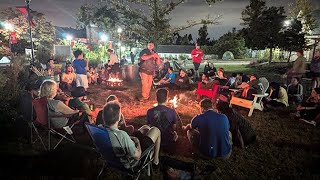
pixel 190 73
pixel 295 91
pixel 56 108
pixel 103 76
pixel 169 78
pixel 206 68
pixel 241 78
pixel 309 110
pixel 166 65
pixel 278 96
pixel 78 102
pixel 164 118
pixel 250 88
pixel 212 70
pixel 68 79
pixel 92 76
pixel 221 78
pixel 133 146
pixel 182 80
pixel 242 132
pixel 209 132
pixel 122 124
pixel 50 64
pixel 206 82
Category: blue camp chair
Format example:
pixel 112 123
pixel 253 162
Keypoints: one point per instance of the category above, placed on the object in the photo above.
pixel 101 139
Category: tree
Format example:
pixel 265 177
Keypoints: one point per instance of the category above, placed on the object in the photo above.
pixel 43 32
pixel 231 41
pixel 262 26
pixel 293 37
pixel 148 19
pixel 203 36
pixel 302 9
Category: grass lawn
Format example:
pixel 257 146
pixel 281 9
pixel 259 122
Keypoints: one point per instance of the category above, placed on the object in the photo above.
pixel 285 148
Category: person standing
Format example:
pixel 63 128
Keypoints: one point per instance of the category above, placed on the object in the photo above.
pixel 81 67
pixel 113 63
pixel 149 60
pixel 132 57
pixel 197 55
pixel 299 67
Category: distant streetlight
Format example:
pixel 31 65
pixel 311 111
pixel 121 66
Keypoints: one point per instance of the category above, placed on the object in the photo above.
pixel 287 23
pixel 8 26
pixel 104 37
pixel 119 30
pixel 69 37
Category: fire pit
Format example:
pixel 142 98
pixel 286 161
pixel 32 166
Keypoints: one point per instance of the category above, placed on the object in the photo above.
pixel 114 82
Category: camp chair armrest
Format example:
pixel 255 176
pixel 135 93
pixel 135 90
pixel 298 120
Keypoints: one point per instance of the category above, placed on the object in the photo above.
pixel 261 95
pixel 144 153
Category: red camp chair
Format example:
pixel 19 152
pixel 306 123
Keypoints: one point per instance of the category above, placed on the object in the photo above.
pixel 212 93
pixel 40 107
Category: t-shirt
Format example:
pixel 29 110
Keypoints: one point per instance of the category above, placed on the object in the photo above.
pixel 283 97
pixel 79 66
pixel 58 108
pixel 214 133
pixel 75 103
pixel 68 78
pixel 163 118
pixel 147 66
pixel 113 59
pixel 299 65
pixel 197 59
pixel 182 81
pixel 172 76
pixel 255 84
pixel 120 139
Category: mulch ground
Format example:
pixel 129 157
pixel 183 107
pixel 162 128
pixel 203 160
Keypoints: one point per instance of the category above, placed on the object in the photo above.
pixel 285 148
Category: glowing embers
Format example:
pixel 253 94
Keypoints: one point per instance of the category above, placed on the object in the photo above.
pixel 114 82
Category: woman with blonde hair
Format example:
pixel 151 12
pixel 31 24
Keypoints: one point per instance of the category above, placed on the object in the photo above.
pixel 56 108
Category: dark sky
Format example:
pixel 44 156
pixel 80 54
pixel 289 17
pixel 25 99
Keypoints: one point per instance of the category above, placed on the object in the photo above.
pixel 64 12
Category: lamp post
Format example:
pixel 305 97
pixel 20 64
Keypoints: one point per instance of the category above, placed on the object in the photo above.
pixel 119 44
pixel 30 29
pixel 104 38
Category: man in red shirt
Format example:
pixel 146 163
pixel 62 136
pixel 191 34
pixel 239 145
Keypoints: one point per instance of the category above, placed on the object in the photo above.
pixel 197 55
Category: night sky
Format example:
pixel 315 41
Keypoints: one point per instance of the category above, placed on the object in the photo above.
pixel 64 12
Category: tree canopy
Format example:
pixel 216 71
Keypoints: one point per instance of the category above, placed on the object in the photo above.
pixel 145 19
pixel 262 25
pixel 43 32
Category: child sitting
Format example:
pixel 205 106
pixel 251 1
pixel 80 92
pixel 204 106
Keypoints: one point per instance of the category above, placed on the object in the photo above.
pixel 92 76
pixel 122 124
pixel 295 91
pixel 103 76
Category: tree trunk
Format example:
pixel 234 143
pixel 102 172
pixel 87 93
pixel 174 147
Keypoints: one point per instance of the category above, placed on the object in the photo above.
pixel 270 57
pixel 289 56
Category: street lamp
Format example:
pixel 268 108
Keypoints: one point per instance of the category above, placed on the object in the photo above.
pixel 69 37
pixel 119 30
pixel 104 37
pixel 8 26
pixel 287 23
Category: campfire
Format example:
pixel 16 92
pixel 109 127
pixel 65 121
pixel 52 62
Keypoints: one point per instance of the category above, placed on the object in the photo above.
pixel 114 82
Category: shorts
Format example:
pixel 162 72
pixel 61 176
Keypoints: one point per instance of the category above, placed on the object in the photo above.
pixel 82 80
pixel 145 141
pixel 196 66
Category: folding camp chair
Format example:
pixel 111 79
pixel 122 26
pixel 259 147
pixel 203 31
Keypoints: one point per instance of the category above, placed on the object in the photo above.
pixel 256 103
pixel 212 93
pixel 40 107
pixel 101 139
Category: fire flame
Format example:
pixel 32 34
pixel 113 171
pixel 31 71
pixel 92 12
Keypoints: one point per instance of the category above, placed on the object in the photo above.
pixel 174 101
pixel 114 80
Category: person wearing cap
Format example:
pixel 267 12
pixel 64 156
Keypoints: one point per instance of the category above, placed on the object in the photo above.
pixel 78 102
pixel 81 67
pixel 197 56
pixel 149 60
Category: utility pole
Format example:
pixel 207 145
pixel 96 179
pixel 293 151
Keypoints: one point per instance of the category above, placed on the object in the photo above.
pixel 30 29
